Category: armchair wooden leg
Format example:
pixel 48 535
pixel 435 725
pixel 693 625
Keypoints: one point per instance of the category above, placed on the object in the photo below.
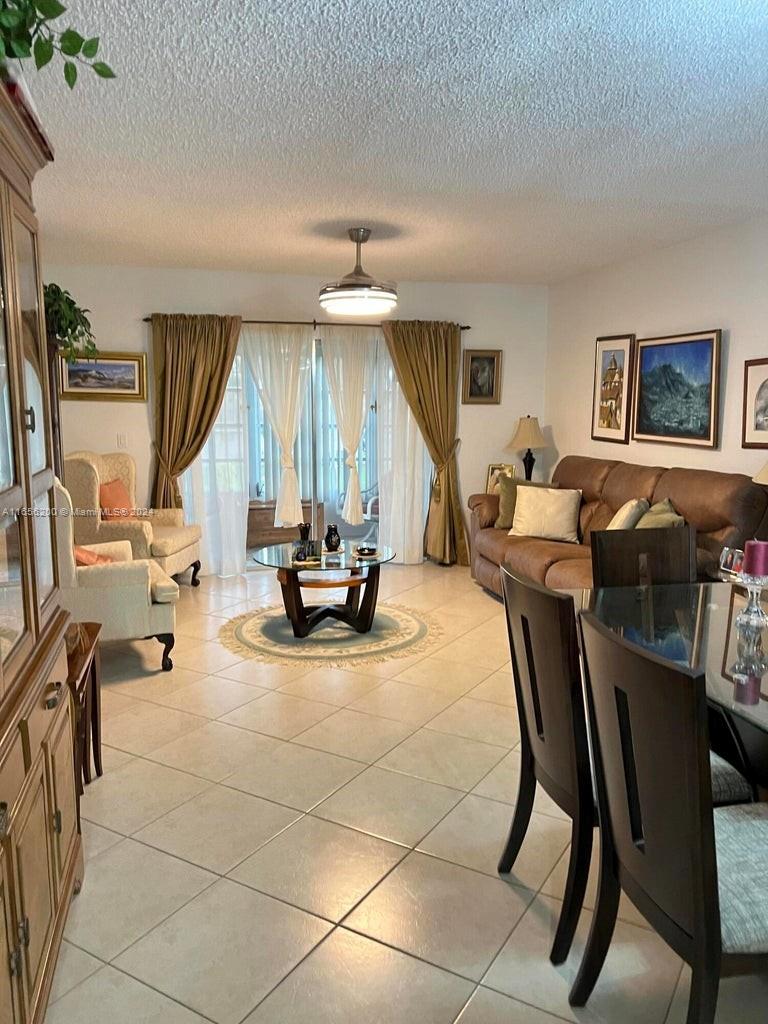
pixel 167 640
pixel 195 570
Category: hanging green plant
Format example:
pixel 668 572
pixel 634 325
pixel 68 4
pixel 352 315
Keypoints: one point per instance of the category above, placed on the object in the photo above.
pixel 26 30
pixel 68 325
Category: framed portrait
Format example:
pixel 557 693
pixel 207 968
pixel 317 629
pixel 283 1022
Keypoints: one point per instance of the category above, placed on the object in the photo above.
pixel 108 377
pixel 481 376
pixel 495 470
pixel 612 391
pixel 676 389
pixel 754 429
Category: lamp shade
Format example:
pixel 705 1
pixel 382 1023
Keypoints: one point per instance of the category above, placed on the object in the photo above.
pixel 527 435
pixel 762 476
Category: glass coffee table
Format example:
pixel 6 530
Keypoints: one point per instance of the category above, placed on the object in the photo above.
pixel 345 569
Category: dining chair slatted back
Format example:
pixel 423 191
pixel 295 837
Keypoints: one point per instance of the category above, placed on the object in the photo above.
pixel 554 749
pixel 628 558
pixel 648 720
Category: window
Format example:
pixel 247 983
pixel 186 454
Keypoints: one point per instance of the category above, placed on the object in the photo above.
pixel 264 452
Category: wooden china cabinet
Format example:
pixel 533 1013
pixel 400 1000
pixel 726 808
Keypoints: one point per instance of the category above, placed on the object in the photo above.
pixel 40 848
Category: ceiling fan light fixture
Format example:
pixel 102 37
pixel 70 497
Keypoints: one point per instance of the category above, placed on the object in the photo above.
pixel 357 293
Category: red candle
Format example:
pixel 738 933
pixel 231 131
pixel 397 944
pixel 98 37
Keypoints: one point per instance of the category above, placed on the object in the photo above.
pixel 746 690
pixel 756 558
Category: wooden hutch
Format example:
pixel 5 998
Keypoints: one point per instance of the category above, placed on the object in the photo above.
pixel 40 846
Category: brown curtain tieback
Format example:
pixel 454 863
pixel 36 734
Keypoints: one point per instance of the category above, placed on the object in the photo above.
pixel 436 489
pixel 165 467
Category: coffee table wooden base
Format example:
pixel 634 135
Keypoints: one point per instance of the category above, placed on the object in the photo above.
pixel 354 612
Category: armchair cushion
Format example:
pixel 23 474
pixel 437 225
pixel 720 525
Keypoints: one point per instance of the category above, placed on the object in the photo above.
pixel 166 516
pixel 167 540
pixel 136 531
pixel 115 501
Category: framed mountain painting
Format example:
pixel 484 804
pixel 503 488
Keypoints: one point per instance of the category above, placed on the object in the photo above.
pixel 676 389
pixel 612 392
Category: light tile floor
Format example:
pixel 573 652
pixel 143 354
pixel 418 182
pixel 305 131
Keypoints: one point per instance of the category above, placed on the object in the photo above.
pixel 273 845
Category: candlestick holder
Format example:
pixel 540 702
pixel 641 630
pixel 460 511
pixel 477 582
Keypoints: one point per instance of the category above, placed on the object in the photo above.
pixel 753 615
pixel 751 663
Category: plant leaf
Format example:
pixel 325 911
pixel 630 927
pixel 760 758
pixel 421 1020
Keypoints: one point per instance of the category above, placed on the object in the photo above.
pixel 71 42
pixel 103 70
pixel 70 73
pixel 3 53
pixel 20 48
pixel 43 50
pixel 11 17
pixel 90 47
pixel 50 8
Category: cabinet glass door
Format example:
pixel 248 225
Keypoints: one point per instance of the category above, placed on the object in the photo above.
pixel 34 357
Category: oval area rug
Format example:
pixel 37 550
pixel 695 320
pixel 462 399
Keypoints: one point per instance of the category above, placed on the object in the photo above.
pixel 266 635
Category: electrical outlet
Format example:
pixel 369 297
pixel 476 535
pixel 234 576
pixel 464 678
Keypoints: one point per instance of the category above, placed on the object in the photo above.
pixel 122 441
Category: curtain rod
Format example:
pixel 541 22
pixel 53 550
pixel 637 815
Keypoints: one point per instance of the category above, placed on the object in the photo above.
pixel 313 323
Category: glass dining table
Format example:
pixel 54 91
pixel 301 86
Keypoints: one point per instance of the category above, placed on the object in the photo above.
pixel 695 625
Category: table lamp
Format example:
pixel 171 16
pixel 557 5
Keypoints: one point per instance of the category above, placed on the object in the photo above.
pixel 762 476
pixel 527 436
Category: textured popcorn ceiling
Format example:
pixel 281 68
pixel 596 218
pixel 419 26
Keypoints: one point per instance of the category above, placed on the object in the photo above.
pixel 487 140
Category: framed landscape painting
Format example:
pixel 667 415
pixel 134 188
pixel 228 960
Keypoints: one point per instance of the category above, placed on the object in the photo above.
pixel 754 429
pixel 109 376
pixel 482 377
pixel 612 391
pixel 676 389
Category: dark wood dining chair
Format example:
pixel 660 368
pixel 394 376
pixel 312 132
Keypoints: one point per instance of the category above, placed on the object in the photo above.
pixel 630 558
pixel 554 752
pixel 697 873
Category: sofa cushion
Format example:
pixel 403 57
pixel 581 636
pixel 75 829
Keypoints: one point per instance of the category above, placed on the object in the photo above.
pixel 577 472
pixel 492 544
pixel 167 540
pixel 163 589
pixel 527 556
pixel 627 480
pixel 570 574
pixel 548 513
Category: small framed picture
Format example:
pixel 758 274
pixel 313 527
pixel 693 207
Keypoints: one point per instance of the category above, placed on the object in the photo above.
pixel 482 376
pixel 108 377
pixel 754 429
pixel 495 470
pixel 612 391
pixel 676 389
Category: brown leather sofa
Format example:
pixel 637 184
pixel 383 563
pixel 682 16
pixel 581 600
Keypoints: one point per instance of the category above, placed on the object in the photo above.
pixel 725 509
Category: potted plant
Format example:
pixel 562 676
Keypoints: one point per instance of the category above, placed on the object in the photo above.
pixel 27 30
pixel 67 325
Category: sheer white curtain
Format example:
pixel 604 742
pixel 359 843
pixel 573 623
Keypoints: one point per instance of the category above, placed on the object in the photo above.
pixel 405 468
pixel 349 356
pixel 278 356
pixel 214 489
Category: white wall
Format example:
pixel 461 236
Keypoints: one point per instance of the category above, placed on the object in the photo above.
pixel 718 280
pixel 506 317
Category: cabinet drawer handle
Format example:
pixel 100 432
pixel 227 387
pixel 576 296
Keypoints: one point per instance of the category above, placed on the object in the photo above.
pixel 24 932
pixel 57 822
pixel 4 820
pixel 15 962
pixel 55 698
pixel 31 422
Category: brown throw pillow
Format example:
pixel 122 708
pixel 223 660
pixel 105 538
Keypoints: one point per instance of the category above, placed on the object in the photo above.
pixel 508 499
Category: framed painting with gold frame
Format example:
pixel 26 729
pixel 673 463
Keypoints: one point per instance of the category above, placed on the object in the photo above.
pixel 108 377
pixel 495 470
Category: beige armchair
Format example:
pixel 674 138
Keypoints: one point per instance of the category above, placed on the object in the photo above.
pixel 160 534
pixel 131 599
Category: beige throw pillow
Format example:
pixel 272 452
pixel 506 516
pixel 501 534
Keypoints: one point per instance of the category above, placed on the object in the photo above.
pixel 629 515
pixel 547 512
pixel 508 486
pixel 660 516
